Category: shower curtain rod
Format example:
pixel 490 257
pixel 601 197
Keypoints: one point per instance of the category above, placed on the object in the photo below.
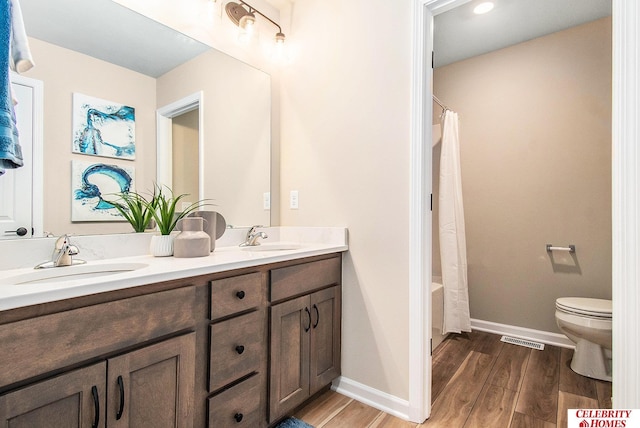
pixel 440 103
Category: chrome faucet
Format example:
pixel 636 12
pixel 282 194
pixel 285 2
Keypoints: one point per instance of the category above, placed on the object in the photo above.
pixel 251 239
pixel 63 253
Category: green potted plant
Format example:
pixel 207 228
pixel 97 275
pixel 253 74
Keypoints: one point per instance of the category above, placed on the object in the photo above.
pixel 165 213
pixel 135 209
pixel 161 207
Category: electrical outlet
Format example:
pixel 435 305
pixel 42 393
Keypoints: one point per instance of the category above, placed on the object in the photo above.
pixel 266 200
pixel 293 200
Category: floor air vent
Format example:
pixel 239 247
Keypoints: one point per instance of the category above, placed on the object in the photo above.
pixel 522 342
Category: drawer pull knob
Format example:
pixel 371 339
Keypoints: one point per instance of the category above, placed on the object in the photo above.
pixel 239 350
pixel 240 294
pixel 238 417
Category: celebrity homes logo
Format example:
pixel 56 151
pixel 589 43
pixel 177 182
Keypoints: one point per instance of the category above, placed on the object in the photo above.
pixel 593 418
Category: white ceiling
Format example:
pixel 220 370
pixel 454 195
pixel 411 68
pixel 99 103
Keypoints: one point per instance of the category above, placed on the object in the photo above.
pixel 460 34
pixel 111 32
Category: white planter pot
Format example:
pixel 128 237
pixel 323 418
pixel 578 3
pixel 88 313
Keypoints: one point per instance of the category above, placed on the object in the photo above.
pixel 161 245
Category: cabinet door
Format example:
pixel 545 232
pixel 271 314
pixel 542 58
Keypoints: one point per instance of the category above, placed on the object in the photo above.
pixel 325 338
pixel 153 386
pixel 74 399
pixel 290 331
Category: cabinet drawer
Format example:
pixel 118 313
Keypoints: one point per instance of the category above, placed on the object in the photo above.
pixel 46 343
pixel 302 279
pixel 236 294
pixel 237 347
pixel 238 406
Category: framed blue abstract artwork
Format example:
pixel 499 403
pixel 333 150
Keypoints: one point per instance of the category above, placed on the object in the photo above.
pixel 103 128
pixel 93 185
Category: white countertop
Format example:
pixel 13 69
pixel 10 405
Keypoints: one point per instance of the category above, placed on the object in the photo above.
pixel 160 269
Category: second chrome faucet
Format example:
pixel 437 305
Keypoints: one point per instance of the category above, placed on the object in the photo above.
pixel 251 239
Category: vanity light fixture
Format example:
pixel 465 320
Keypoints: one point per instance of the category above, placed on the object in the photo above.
pixel 483 7
pixel 245 19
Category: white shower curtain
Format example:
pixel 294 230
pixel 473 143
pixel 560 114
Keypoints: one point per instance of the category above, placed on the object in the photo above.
pixel 453 246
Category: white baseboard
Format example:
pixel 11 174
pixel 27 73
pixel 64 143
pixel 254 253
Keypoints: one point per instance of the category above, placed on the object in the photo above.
pixel 400 408
pixel 546 337
pixel 372 397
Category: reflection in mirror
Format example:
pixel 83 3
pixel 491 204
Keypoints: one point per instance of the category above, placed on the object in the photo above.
pixel 233 133
pixel 185 152
pixel 106 51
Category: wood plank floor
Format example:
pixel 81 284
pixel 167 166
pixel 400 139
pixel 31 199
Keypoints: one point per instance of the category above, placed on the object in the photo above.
pixel 480 382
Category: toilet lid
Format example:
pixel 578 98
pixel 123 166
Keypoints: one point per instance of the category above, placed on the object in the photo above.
pixel 585 306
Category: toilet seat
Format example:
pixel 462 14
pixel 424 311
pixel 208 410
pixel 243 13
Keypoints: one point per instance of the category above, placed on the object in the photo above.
pixel 585 307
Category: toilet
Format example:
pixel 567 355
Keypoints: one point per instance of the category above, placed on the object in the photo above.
pixel 587 323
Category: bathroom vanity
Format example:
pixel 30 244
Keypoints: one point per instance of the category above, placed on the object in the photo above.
pixel 238 338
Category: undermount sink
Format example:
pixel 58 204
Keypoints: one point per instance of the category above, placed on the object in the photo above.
pixel 71 273
pixel 273 247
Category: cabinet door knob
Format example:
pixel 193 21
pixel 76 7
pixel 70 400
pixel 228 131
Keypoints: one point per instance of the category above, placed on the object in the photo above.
pixel 315 307
pixel 238 417
pixel 96 407
pixel 308 327
pixel 121 405
pixel 239 349
pixel 240 294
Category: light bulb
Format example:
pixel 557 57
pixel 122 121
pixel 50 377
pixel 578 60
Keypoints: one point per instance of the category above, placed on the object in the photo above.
pixel 483 8
pixel 279 51
pixel 247 23
pixel 246 28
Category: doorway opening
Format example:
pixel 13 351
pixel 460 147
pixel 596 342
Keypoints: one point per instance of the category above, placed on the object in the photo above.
pixel 180 149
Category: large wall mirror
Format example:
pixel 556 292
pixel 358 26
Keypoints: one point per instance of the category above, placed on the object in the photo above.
pixel 220 145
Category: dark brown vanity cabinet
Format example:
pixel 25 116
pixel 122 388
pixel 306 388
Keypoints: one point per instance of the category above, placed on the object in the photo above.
pixel 238 354
pixel 232 349
pixel 88 381
pixel 305 332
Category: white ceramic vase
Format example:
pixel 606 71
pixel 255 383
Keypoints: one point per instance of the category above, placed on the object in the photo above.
pixel 161 245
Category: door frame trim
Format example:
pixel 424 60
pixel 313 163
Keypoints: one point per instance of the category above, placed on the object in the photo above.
pixel 625 204
pixel 37 152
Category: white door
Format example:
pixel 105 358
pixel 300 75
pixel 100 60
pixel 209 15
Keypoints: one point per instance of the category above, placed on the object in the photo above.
pixel 16 185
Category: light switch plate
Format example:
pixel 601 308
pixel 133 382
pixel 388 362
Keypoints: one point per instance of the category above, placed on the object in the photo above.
pixel 266 200
pixel 293 200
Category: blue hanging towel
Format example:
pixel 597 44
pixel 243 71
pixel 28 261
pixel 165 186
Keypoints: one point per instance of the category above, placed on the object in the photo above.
pixel 10 151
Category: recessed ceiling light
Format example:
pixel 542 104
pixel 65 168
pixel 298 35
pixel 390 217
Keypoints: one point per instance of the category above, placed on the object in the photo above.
pixel 483 8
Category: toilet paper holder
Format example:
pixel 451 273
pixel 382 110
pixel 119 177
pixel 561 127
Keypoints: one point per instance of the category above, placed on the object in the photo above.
pixel 571 248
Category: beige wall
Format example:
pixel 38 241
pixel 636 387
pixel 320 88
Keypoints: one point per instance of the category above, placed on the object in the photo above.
pixel 236 129
pixel 64 72
pixel 185 156
pixel 536 168
pixel 345 117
